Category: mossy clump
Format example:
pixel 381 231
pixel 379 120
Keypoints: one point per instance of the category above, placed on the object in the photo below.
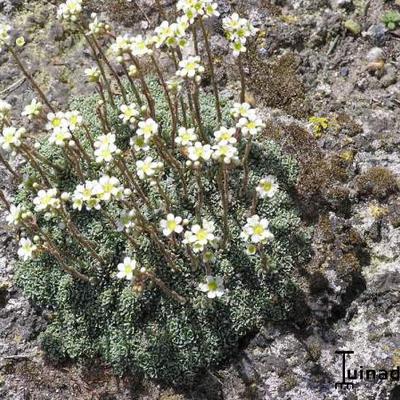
pixel 322 177
pixel 377 183
pixel 276 83
pixel 149 333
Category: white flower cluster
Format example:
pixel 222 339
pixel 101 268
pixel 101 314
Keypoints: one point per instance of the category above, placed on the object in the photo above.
pixel 98 28
pixel 4 35
pixel 5 111
pixel 136 46
pixel 70 11
pixel 247 119
pixel 129 269
pixel 47 200
pixel 225 149
pixel 61 125
pixel 11 137
pixel 172 35
pixel 190 68
pixel 237 31
pixel 105 148
pixel 33 109
pixel 198 8
pixel 92 193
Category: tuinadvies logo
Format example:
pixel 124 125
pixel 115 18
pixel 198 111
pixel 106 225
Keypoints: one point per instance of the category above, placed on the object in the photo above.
pixel 349 376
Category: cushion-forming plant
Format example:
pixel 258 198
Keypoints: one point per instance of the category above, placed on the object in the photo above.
pixel 155 221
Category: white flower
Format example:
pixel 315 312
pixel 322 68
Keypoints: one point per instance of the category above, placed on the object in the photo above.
pixel 129 113
pixel 5 111
pixel 14 215
pixel 214 286
pixel 127 269
pixel 70 10
pixel 121 46
pixel 97 27
pixel 147 129
pixel 139 144
pixel 107 187
pixel 74 119
pixel 171 224
pixel 238 47
pixel 226 135
pixel 211 10
pixel 126 221
pixel 185 136
pixel 46 199
pixel 86 195
pixel 251 124
pixel 257 230
pixel 198 8
pixel 200 235
pixel 172 35
pixel 56 120
pixel 237 31
pixel 225 152
pixel 240 110
pixel 146 168
pixel 139 46
pixel 267 187
pixel 93 74
pixel 190 68
pixel 163 32
pixel 105 148
pixel 198 152
pixel 60 136
pixel 175 84
pixel 11 137
pixel 4 35
pixel 26 249
pixel 33 109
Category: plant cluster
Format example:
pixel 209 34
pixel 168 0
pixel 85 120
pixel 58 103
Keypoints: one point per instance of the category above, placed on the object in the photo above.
pixel 156 221
pixel 391 19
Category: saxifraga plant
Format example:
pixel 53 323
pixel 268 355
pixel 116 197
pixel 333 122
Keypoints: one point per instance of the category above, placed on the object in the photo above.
pixel 155 222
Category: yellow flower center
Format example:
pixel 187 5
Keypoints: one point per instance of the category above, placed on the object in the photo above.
pixel 56 122
pixel 266 186
pixel 108 187
pixel 202 235
pixel 127 269
pixel 258 229
pixel 171 225
pixel 212 286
